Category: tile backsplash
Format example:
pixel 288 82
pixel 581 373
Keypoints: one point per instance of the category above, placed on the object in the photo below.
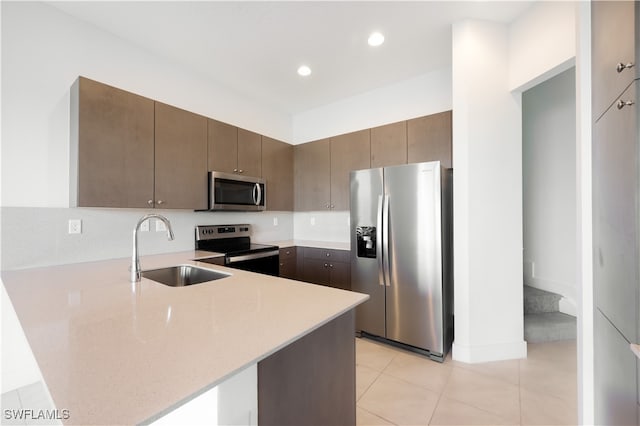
pixel 33 237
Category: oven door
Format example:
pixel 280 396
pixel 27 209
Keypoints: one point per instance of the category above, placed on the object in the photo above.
pixel 232 192
pixel 267 262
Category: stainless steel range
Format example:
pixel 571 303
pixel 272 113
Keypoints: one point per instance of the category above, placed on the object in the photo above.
pixel 239 252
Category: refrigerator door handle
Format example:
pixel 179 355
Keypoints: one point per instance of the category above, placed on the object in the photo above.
pixel 379 243
pixel 385 241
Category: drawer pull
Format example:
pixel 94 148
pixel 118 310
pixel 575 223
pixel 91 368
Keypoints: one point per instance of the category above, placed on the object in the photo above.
pixel 621 67
pixel 621 104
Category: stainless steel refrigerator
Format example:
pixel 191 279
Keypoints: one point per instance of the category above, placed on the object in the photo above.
pixel 401 238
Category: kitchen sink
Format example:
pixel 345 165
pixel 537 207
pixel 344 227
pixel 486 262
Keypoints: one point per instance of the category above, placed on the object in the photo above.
pixel 183 275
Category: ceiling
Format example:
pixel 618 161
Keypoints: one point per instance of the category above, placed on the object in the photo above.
pixel 255 48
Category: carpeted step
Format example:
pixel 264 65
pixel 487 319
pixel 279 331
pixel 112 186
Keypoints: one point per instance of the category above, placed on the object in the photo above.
pixel 538 301
pixel 549 327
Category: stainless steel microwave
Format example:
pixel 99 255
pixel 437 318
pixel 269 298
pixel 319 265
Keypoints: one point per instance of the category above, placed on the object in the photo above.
pixel 228 191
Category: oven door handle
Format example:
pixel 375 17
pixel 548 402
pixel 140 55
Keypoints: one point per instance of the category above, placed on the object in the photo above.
pixel 241 258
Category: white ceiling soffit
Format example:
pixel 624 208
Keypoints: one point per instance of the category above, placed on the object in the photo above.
pixel 256 48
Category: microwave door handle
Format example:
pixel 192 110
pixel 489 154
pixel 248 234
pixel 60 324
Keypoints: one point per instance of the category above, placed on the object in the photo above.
pixel 257 194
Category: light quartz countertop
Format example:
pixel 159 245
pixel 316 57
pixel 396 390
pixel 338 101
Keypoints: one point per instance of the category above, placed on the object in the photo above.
pixel 116 353
pixel 335 245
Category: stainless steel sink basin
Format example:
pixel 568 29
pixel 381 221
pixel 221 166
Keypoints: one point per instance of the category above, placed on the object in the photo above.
pixel 183 275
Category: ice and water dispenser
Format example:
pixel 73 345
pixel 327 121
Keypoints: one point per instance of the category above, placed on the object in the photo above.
pixel 366 241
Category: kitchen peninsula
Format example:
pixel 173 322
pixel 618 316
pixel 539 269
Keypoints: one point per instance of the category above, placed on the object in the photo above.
pixel 120 353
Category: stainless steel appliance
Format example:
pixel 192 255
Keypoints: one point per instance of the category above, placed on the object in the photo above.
pixel 228 191
pixel 234 241
pixel 401 235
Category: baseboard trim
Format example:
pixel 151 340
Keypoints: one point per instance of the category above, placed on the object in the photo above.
pixel 472 354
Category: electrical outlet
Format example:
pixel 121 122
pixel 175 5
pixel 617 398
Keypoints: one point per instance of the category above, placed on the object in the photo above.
pixel 313 221
pixel 75 226
pixel 144 227
pixel 275 221
pixel 160 226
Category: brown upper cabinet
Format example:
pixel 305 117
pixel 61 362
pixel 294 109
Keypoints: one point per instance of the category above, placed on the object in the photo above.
pixel 180 159
pixel 389 145
pixel 348 152
pixel 134 152
pixel 429 139
pixel 223 146
pixel 277 170
pixel 234 150
pixel 312 168
pixel 322 170
pixel 112 145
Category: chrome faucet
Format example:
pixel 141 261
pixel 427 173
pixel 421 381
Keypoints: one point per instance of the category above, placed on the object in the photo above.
pixel 135 259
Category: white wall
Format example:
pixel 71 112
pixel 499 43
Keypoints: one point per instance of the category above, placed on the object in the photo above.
pixel 549 185
pixel 427 94
pixel 487 191
pixel 584 222
pixel 43 52
pixel 542 43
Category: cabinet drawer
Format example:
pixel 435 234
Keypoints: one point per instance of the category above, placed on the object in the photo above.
pixel 287 253
pixel 326 254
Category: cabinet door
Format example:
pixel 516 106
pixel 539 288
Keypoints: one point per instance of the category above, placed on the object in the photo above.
pixel 315 271
pixel 429 139
pixel 311 176
pixel 389 145
pixel 613 36
pixel 348 152
pixel 223 146
pixel 249 153
pixel 180 159
pixel 288 262
pixel 614 376
pixel 615 216
pixel 277 170
pixel 340 275
pixel 112 132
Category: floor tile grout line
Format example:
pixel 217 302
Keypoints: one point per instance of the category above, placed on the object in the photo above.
pixel 478 408
pixel 377 415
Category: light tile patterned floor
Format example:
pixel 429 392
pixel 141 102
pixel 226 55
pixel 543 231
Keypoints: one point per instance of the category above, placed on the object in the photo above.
pixel 396 387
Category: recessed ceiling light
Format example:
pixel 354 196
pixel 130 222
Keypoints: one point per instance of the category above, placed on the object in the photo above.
pixel 304 70
pixel 375 39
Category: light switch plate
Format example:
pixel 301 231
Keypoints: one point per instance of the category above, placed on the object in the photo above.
pixel 313 221
pixel 75 226
pixel 275 221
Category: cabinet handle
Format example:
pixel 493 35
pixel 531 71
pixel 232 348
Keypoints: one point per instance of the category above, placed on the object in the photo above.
pixel 332 206
pixel 328 254
pixel 150 202
pixel 326 264
pixel 621 104
pixel 330 265
pixel 235 170
pixel 288 252
pixel 160 202
pixel 621 67
pixel 327 205
pixel 240 171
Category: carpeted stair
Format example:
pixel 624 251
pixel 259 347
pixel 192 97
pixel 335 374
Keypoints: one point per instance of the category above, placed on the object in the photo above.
pixel 542 320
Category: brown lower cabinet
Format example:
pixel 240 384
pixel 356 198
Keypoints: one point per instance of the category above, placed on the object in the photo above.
pixel 325 266
pixel 288 262
pixel 312 381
